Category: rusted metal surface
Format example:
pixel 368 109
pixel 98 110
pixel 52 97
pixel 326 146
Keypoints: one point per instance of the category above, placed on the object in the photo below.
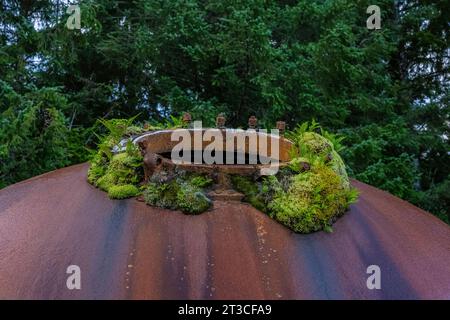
pixel 156 148
pixel 162 141
pixel 127 250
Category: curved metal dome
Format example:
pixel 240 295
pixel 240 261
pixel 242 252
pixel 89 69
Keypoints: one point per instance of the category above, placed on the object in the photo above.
pixel 126 249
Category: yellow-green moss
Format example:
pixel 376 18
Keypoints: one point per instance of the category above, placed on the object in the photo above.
pixel 107 181
pixel 298 164
pixel 201 181
pixel 117 174
pixel 314 200
pixel 314 146
pixel 122 191
pixel 120 174
pixel 317 143
pixel 312 192
pixel 123 169
pixel 338 166
pixel 97 169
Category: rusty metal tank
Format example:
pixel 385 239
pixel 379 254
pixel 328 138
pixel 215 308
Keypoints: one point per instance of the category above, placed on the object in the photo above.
pixel 128 250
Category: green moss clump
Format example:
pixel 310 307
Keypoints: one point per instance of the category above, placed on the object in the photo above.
pixel 307 195
pixel 122 169
pixel 316 143
pixel 106 181
pixel 97 169
pixel 118 174
pixel 163 195
pixel 299 164
pixel 305 202
pixel 123 191
pixel 312 191
pixel 338 166
pixel 185 193
pixel 191 199
pixel 312 147
pixel 201 181
pixel 125 168
pixel 314 200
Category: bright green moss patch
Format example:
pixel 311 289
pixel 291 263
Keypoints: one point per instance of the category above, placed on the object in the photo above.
pixel 123 191
pixel 312 192
pixel 186 192
pixel 338 166
pixel 316 143
pixel 98 167
pixel 120 173
pixel 310 146
pixel 305 202
pixel 313 201
pixel 123 169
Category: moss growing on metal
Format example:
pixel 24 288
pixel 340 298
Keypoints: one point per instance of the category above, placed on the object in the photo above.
pixel 310 146
pixel 312 192
pixel 117 166
pixel 313 201
pixel 99 165
pixel 186 192
pixel 123 191
pixel 118 173
pixel 192 199
pixel 120 176
pixel 307 194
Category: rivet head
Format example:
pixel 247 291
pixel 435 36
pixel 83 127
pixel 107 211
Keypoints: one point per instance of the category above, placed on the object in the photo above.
pixel 187 117
pixel 252 122
pixel 220 121
pixel 281 126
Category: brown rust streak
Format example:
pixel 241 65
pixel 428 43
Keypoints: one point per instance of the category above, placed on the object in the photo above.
pixel 128 250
